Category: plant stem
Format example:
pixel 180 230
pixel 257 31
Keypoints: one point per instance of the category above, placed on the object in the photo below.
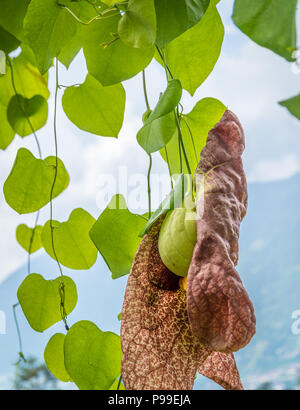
pixel 21 355
pixel 62 285
pixel 162 56
pixel 181 142
pixel 145 91
pixel 150 157
pixel 168 76
pixel 100 15
pixel 192 138
pixel 180 155
pixel 31 241
pixel 149 186
pixel 119 383
pixel 169 168
pixel 180 138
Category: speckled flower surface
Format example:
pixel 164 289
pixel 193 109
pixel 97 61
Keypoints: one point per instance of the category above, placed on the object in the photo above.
pixel 168 333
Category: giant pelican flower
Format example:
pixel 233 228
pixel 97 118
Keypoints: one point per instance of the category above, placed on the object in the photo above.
pixel 174 327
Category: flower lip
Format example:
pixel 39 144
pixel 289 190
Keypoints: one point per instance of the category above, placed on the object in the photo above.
pixel 220 312
pixel 168 333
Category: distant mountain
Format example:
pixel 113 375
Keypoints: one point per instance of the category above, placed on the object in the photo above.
pixel 270 269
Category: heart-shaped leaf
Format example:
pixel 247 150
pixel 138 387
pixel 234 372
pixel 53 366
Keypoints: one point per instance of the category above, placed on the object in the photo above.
pixel 8 42
pixel 28 82
pixel 156 135
pixel 160 125
pixel 6 132
pixel 195 127
pixel 293 105
pixel 28 186
pixel 167 102
pixel 85 11
pixel 47 28
pixel 108 58
pixel 27 115
pixel 116 235
pixel 92 357
pixel 55 358
pixel 40 299
pixel 269 23
pixel 94 108
pixel 73 246
pixel 29 238
pixel 202 46
pixel 12 16
pixel 176 16
pixel 137 26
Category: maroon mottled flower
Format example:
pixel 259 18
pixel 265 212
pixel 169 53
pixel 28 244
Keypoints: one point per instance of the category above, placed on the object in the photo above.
pixel 168 333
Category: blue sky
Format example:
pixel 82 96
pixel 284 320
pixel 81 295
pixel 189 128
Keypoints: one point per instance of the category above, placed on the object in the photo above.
pixel 248 79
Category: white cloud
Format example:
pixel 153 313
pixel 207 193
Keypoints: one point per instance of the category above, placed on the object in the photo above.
pixel 247 78
pixel 257 245
pixel 275 169
pixel 6 381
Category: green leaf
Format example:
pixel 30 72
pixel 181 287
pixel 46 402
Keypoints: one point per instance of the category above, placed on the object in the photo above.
pixel 94 108
pixel 28 81
pixel 41 301
pixel 85 12
pixel 154 136
pixel 270 23
pixel 108 59
pixel 73 246
pixel 173 200
pixel 167 102
pixel 8 42
pixel 6 132
pixel 12 16
pixel 293 105
pixel 112 2
pixel 174 17
pixel 48 27
pixel 29 238
pixel 137 26
pixel 6 91
pixel 2 63
pixel 115 385
pixel 195 127
pixel 71 49
pixel 29 56
pixel 27 115
pixel 92 357
pixel 193 55
pixel 28 186
pixel 115 235
pixel 160 125
pixel 54 357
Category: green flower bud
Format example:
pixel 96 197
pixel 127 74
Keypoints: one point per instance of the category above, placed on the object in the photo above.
pixel 177 239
